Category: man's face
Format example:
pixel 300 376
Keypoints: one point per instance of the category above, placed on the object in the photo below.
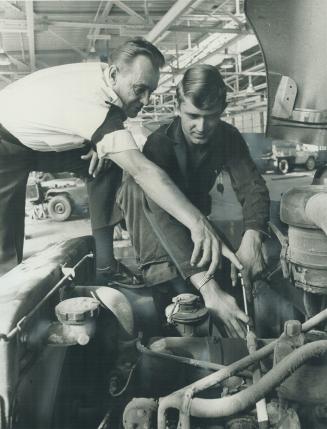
pixel 134 83
pixel 198 125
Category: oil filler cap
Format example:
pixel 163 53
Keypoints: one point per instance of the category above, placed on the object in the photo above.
pixel 186 308
pixel 75 311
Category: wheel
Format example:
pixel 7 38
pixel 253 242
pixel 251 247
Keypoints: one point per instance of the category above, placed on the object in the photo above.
pixel 310 164
pixel 283 166
pixel 59 208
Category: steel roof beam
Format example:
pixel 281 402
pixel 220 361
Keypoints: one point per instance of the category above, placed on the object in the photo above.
pixel 210 29
pixel 178 8
pixel 30 33
pixel 96 30
pixel 67 43
pixel 128 10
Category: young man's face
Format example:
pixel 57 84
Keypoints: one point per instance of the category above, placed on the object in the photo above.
pixel 134 83
pixel 198 125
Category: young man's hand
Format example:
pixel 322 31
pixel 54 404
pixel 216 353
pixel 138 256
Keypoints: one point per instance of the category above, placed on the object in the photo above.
pixel 251 257
pixel 222 306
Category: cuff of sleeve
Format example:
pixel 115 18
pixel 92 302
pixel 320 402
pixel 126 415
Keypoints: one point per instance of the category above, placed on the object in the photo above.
pixel 115 142
pixel 263 229
pixel 187 271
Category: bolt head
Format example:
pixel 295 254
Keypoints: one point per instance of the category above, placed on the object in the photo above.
pixel 292 328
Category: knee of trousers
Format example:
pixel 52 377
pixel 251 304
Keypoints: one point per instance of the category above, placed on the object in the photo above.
pixel 130 196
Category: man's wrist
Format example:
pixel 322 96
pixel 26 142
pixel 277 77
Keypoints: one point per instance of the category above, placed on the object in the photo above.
pixel 206 286
pixel 261 233
pixel 198 220
pixel 254 234
pixel 200 280
pixel 203 282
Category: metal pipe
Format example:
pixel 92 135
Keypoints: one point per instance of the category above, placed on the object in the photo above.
pixel 247 398
pixel 314 321
pixel 188 361
pixel 175 399
pixel 261 406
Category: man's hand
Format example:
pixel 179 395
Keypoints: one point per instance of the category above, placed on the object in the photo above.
pixel 96 165
pixel 209 247
pixel 162 190
pixel 224 307
pixel 251 257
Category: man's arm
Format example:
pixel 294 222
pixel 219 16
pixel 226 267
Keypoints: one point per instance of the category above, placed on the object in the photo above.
pixel 253 195
pixel 221 305
pixel 160 188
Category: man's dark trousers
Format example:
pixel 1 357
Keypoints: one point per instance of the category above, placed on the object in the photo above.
pixel 16 162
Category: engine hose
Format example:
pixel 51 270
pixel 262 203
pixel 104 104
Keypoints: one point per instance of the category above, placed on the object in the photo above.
pixel 234 404
pixel 187 361
pixel 175 399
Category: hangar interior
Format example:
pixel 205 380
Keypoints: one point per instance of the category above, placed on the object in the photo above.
pixel 76 354
pixel 39 34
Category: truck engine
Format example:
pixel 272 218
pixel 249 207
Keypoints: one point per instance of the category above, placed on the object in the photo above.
pixel 74 355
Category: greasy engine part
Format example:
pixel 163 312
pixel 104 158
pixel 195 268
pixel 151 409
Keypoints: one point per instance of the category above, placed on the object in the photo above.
pixel 282 417
pixel 244 422
pixel 290 339
pixel 172 362
pixel 76 321
pixel 189 315
pixel 305 254
pixel 261 405
pixel 228 406
pixel 183 399
pixel 140 413
pixel 308 384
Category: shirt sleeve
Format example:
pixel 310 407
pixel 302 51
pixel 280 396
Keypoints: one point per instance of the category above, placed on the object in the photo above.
pixel 249 186
pixel 111 136
pixel 115 142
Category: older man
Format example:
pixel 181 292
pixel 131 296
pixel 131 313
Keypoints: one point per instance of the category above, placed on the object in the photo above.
pixel 193 149
pixel 54 117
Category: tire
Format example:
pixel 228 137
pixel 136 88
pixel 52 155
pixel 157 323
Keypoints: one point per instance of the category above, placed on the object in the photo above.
pixel 59 208
pixel 310 164
pixel 283 166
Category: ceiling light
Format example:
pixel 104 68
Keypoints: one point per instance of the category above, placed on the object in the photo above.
pixel 4 58
pixel 250 89
pixel 227 63
pixel 93 56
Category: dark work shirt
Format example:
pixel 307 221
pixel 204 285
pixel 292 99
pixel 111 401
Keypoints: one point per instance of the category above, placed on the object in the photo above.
pixel 195 169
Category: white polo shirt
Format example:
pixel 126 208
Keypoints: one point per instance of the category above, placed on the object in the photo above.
pixel 58 108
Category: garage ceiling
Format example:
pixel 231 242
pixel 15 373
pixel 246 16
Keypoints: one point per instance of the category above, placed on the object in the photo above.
pixel 39 34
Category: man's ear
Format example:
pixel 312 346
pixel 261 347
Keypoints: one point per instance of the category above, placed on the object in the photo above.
pixel 177 111
pixel 113 74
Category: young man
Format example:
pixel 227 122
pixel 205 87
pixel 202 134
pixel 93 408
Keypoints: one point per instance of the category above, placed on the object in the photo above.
pixel 193 149
pixel 54 117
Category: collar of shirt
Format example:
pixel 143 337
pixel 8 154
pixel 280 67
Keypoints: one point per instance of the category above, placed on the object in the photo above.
pixel 112 97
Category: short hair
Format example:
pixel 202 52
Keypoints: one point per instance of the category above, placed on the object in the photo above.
pixel 203 84
pixel 137 46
